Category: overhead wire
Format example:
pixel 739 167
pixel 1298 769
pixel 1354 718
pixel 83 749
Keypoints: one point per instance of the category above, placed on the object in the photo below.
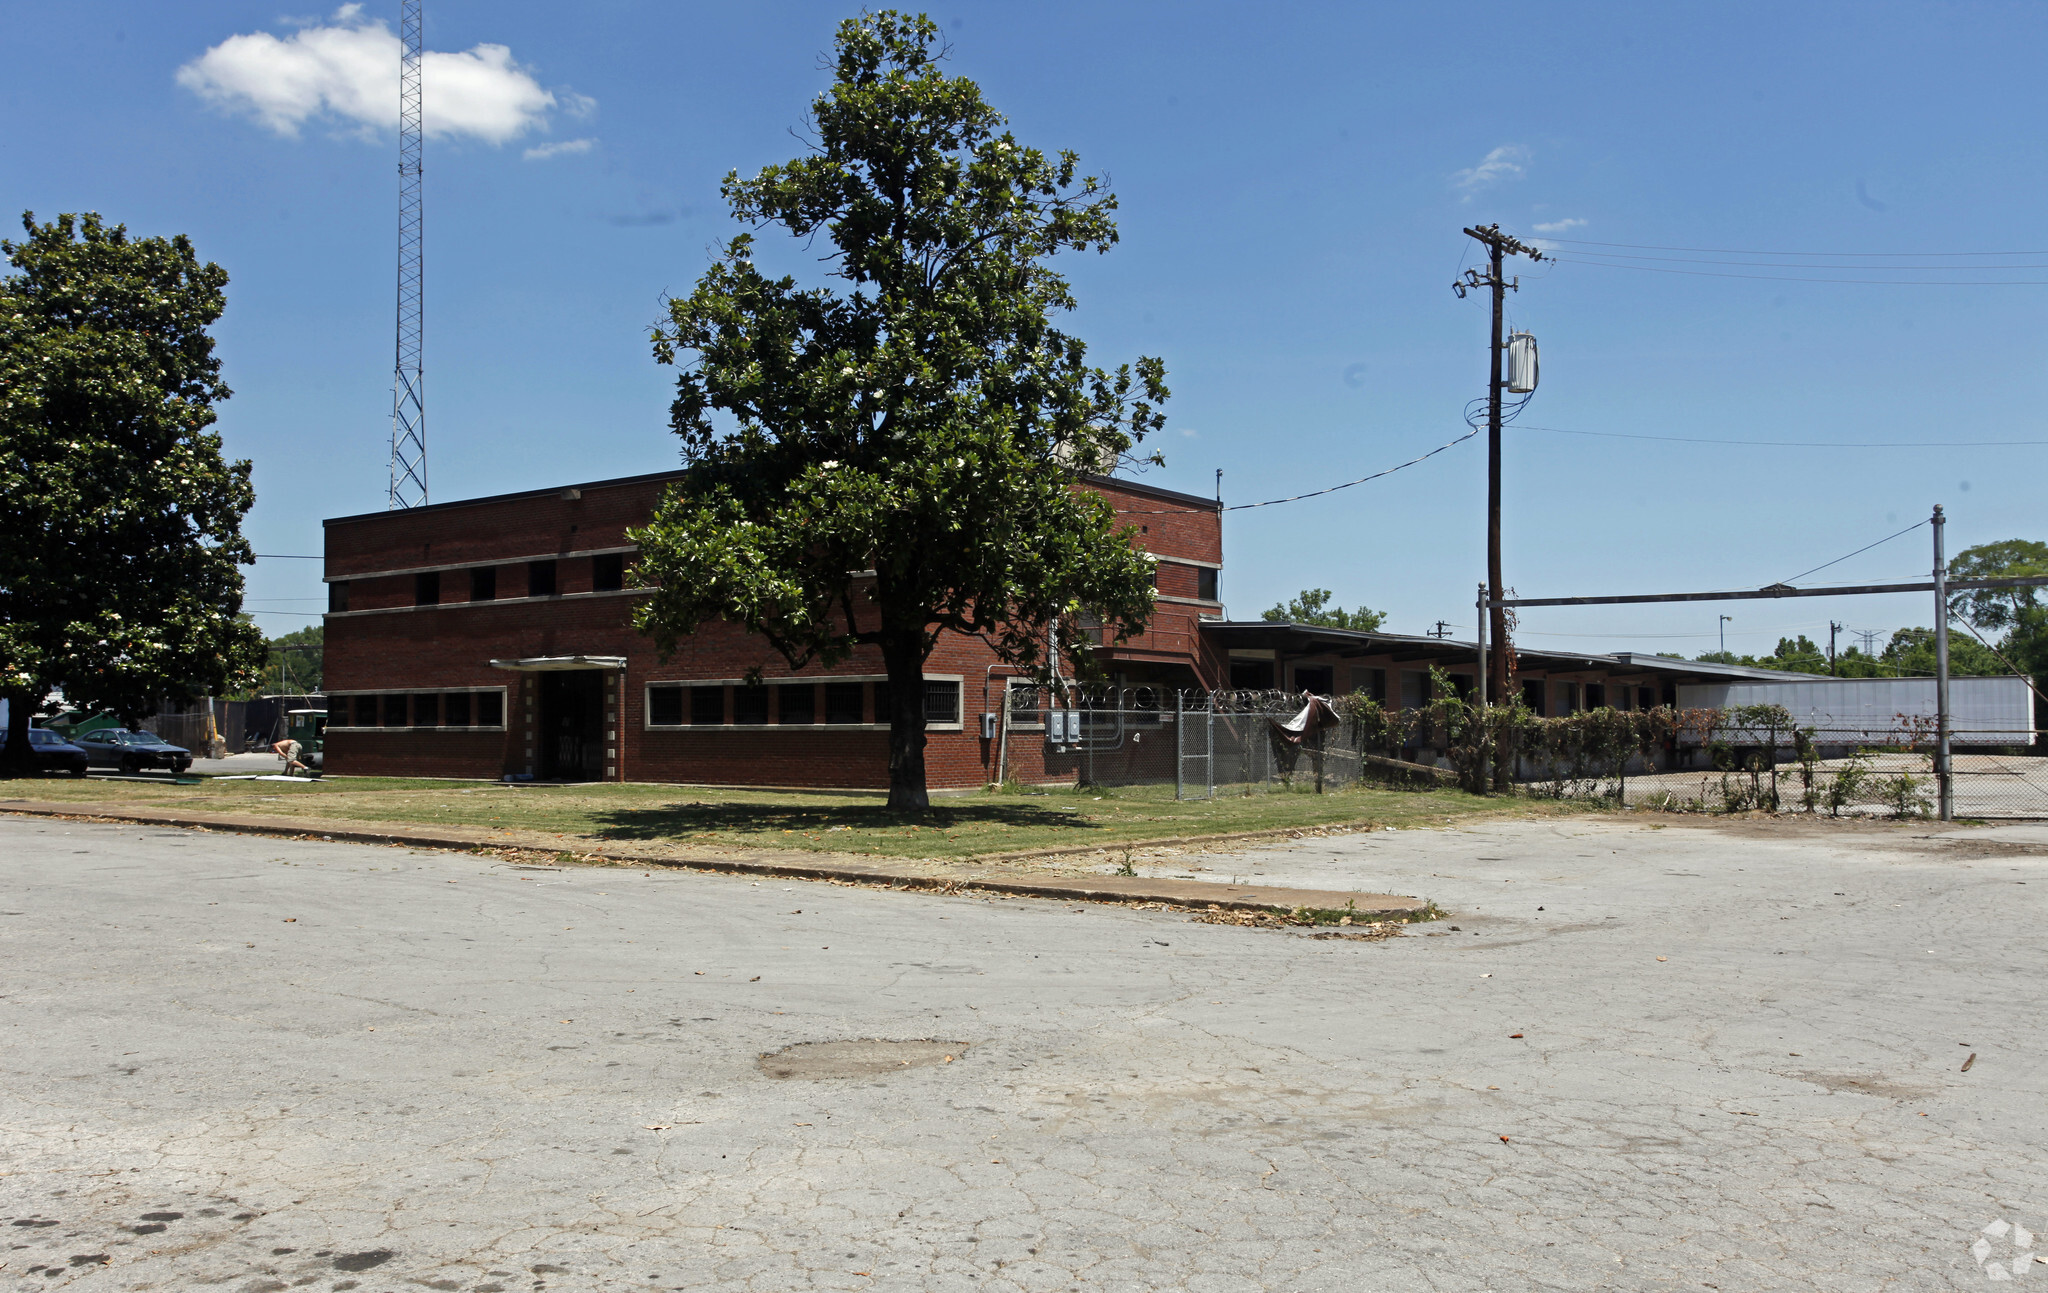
pixel 1785 278
pixel 1314 493
pixel 1865 548
pixel 1801 444
pixel 1747 251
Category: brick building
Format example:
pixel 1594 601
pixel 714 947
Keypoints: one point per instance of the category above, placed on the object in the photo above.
pixel 494 636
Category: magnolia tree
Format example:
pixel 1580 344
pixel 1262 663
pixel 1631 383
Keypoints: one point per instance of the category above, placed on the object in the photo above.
pixel 120 521
pixel 875 462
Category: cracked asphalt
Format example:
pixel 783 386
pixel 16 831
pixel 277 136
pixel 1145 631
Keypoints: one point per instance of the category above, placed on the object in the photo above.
pixel 1645 1058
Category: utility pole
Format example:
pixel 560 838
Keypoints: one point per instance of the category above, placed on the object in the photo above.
pixel 1833 628
pixel 1724 633
pixel 1498 246
pixel 1944 781
pixel 1441 631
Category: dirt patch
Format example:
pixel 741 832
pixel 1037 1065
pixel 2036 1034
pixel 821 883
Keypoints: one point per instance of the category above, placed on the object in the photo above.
pixel 866 1057
pixel 1864 1084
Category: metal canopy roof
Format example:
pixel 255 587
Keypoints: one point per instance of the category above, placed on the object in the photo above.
pixel 1316 639
pixel 560 663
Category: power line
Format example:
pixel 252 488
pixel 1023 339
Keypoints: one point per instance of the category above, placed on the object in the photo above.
pixel 1865 548
pixel 1743 251
pixel 1799 444
pixel 1314 493
pixel 1782 278
pixel 1766 264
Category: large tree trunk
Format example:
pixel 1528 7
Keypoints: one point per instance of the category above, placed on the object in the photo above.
pixel 903 653
pixel 16 758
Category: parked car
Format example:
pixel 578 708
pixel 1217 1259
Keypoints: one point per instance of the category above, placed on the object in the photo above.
pixel 116 747
pixel 54 753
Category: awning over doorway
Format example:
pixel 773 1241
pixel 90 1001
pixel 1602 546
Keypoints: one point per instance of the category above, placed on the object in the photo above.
pixel 560 663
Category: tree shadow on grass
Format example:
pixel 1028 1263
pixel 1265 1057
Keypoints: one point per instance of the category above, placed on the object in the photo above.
pixel 669 820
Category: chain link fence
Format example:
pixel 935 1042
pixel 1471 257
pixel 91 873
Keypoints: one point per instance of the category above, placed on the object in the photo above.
pixel 1211 743
pixel 1203 743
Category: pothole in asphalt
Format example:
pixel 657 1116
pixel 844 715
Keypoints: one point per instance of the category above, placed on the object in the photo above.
pixel 866 1057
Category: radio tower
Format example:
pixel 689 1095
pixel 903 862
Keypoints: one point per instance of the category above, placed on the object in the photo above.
pixel 408 383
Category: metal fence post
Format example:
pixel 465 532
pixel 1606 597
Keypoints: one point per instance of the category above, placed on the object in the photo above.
pixel 1944 777
pixel 1180 741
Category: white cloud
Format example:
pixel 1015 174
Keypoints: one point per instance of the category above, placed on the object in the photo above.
pixel 541 152
pixel 1561 226
pixel 1504 163
pixel 347 71
pixel 1191 433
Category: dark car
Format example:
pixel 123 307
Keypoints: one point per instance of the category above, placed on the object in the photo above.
pixel 54 753
pixel 133 751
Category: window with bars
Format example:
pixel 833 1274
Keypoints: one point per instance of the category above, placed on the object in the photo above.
pixel 664 706
pixel 843 702
pixel 472 708
pixel 797 703
pixel 707 706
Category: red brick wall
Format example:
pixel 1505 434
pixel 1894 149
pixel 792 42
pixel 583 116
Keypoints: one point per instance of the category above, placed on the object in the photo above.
pixel 449 646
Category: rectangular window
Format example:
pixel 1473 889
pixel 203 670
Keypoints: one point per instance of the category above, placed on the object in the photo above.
pixel 1373 682
pixel 394 711
pixel 1320 679
pixel 1596 695
pixel 842 702
pixel 337 596
pixel 1205 583
pixel 1567 697
pixel 426 709
pixel 881 703
pixel 1646 698
pixel 490 709
pixel 608 572
pixel 366 711
pixel 941 702
pixel 540 579
pixel 799 703
pixel 664 706
pixel 1414 689
pixel 455 709
pixel 749 705
pixel 1532 697
pixel 707 706
pixel 426 588
pixel 483 584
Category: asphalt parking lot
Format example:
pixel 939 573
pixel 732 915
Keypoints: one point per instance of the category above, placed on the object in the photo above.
pixel 1644 1058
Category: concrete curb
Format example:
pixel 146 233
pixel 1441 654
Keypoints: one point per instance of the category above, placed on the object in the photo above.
pixel 963 879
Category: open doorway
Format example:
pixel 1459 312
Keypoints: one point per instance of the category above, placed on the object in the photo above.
pixel 572 725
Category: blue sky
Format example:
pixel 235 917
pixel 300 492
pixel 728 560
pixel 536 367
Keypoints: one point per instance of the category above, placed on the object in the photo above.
pixel 1293 182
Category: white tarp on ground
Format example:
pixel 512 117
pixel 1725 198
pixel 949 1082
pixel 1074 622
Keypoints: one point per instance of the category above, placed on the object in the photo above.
pixel 1982 711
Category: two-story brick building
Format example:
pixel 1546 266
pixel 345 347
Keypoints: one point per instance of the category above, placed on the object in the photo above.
pixel 494 636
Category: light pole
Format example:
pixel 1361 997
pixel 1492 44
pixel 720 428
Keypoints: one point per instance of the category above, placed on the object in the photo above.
pixel 1724 633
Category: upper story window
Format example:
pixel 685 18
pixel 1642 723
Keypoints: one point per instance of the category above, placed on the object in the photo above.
pixel 483 583
pixel 1205 584
pixel 337 595
pixel 540 579
pixel 608 572
pixel 426 588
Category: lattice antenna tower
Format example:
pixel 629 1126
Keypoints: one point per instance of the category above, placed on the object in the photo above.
pixel 408 383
